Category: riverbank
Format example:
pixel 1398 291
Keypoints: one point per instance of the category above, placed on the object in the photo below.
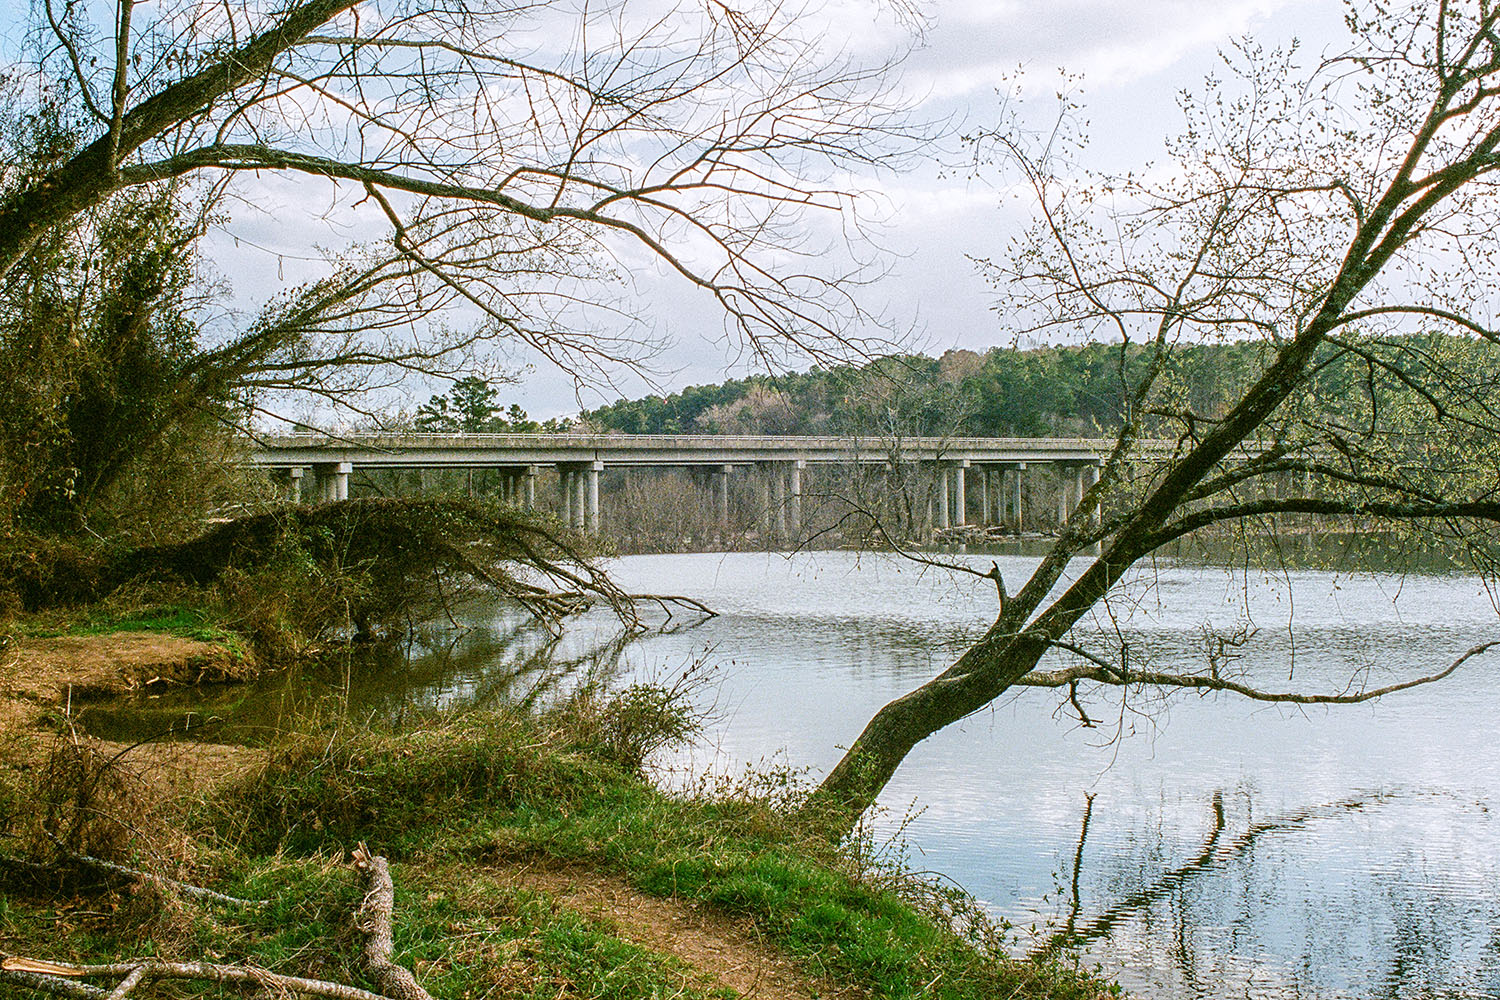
pixel 530 857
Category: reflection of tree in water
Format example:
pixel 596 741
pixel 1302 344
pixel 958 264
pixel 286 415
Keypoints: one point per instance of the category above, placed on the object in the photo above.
pixel 1417 947
pixel 510 660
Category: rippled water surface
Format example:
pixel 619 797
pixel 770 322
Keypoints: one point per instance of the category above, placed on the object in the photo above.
pixel 1232 849
pixel 1197 846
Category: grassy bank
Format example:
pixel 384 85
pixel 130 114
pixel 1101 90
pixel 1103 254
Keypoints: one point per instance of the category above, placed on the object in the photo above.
pixel 530 859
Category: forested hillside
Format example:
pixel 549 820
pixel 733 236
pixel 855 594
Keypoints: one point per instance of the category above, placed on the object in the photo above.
pixel 1050 391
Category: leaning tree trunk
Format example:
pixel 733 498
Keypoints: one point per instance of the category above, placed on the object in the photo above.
pixel 980 676
pixel 1015 643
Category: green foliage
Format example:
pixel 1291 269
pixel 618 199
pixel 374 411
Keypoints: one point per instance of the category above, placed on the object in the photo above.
pixel 472 407
pixel 294 577
pixel 1049 391
pixel 395 788
pixel 99 376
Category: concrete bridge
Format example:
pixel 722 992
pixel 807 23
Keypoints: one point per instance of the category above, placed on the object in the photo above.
pixel 998 463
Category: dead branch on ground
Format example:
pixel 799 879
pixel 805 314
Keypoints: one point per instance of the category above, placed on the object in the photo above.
pixel 373 919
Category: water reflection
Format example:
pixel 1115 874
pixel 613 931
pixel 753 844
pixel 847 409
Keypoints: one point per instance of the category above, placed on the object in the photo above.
pixel 1241 915
pixel 1197 847
pixel 510 660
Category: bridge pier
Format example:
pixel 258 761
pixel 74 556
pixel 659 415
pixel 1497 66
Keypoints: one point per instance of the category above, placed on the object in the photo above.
pixel 1074 479
pixel 291 487
pixel 778 502
pixel 952 483
pixel 591 512
pixel 579 518
pixel 1088 475
pixel 1065 500
pixel 331 480
pixel 960 489
pixel 720 490
pixel 1018 478
pixel 944 502
pixel 794 497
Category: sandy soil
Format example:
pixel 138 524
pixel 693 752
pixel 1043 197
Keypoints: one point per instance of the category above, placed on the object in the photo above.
pixel 42 675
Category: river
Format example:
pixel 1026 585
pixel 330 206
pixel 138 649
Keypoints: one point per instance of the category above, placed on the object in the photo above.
pixel 1197 846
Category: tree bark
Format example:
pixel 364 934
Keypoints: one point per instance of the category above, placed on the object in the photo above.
pixel 373 919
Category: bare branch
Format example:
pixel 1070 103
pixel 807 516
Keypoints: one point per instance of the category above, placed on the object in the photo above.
pixel 1212 682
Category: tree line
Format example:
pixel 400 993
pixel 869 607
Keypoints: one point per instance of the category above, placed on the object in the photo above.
pixel 1057 391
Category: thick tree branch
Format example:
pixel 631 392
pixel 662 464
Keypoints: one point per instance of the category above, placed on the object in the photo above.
pixel 373 919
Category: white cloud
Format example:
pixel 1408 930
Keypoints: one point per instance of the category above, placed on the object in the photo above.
pixel 975 46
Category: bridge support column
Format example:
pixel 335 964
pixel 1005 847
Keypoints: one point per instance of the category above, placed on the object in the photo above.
pixel 580 499
pixel 984 494
pixel 1070 491
pixel 794 497
pixel 944 502
pixel 778 501
pixel 332 480
pixel 591 522
pixel 1088 475
pixel 292 488
pixel 764 517
pixel 1020 480
pixel 721 495
pixel 960 487
pixel 529 485
pixel 565 495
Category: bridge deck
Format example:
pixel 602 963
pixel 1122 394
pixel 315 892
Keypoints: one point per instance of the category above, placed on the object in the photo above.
pixel 394 451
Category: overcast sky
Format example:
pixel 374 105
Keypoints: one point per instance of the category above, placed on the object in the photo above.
pixel 1134 56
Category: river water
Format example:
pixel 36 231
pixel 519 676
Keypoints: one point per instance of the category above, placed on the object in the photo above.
pixel 1358 853
pixel 1195 846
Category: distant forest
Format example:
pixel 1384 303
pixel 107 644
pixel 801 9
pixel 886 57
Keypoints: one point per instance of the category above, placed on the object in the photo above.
pixel 1051 391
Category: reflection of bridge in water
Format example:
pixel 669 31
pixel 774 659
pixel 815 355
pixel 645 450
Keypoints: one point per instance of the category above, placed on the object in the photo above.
pixel 992 468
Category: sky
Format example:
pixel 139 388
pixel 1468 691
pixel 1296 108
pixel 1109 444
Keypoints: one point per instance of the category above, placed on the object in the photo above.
pixel 1133 58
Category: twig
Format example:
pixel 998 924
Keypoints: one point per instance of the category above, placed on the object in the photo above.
pixel 192 891
pixel 1112 675
pixel 127 984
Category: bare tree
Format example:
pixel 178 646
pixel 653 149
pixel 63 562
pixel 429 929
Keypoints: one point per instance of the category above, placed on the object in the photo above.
pixel 520 158
pixel 1341 219
pixel 516 153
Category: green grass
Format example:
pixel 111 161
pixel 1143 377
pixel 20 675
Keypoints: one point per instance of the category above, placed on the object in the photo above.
pixel 494 788
pixel 178 620
pixel 459 804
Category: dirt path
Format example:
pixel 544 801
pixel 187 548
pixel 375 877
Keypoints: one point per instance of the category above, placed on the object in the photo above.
pixel 728 950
